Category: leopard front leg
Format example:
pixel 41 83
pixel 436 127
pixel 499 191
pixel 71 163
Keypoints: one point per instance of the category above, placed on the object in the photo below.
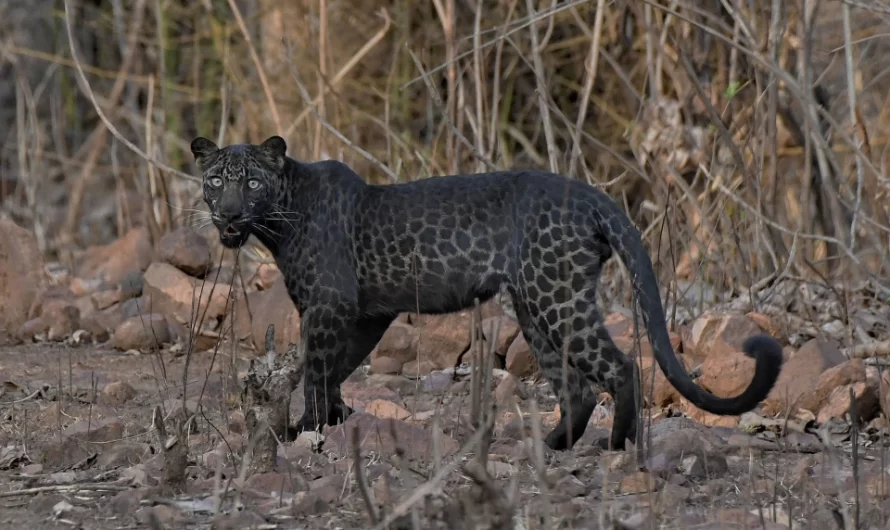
pixel 325 332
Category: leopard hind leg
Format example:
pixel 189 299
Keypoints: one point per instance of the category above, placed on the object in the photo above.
pixel 577 399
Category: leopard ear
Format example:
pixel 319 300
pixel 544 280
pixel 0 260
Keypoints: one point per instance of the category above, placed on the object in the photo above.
pixel 275 147
pixel 202 148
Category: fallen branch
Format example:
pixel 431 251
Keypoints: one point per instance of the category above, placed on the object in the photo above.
pixel 67 488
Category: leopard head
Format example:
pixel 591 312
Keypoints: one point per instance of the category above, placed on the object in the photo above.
pixel 240 182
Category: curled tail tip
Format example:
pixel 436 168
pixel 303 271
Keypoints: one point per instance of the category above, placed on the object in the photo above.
pixel 764 347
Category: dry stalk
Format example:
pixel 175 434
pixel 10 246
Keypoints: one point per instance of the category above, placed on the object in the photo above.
pixel 261 72
pixel 360 479
pixel 542 91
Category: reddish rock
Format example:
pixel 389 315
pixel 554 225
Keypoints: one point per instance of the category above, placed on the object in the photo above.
pixel 142 332
pixel 846 373
pixel 398 343
pixel 113 262
pixel 383 408
pixel 385 365
pixel 443 338
pixel 662 393
pixel 186 250
pixel 621 329
pixel 104 299
pixel 801 373
pixel 266 276
pixel 838 404
pixel 238 316
pixel 61 320
pixel 359 395
pixel 177 295
pixel 718 334
pixel 520 361
pixel 727 375
pixel 507 330
pixel 274 306
pixel 22 276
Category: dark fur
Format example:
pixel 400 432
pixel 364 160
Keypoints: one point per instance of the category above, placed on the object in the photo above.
pixel 353 256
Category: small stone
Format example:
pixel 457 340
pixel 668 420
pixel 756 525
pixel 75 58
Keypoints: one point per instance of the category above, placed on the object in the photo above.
pixel 698 466
pixel 142 332
pixel 118 392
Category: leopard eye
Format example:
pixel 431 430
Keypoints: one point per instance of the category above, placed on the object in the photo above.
pixel 253 184
pixel 215 182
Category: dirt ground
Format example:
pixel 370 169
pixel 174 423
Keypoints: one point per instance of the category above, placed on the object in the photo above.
pixel 87 457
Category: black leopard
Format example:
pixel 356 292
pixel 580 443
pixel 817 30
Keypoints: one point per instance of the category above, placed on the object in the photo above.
pixel 354 256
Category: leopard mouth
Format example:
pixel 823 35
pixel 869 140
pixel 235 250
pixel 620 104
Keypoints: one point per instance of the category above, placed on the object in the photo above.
pixel 233 236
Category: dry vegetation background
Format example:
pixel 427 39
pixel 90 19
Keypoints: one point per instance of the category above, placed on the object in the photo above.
pixel 746 138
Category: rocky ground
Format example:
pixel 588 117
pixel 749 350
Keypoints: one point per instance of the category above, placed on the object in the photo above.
pixel 113 414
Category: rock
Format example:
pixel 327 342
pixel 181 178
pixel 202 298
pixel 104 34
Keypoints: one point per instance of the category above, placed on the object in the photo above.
pixel 398 343
pixel 114 262
pixel 639 482
pixel 416 369
pixel 443 338
pixel 105 298
pixel 735 518
pixel 266 276
pixel 520 361
pixel 846 373
pixel 142 332
pixel 383 408
pixel 507 393
pixel 186 250
pixel 359 396
pixel 118 392
pixel 22 276
pixel 727 374
pixel 507 331
pixel 61 321
pixel 838 405
pixel 123 454
pixel 801 373
pixel 94 430
pixel 274 306
pixel 175 294
pixel 385 365
pixel 621 329
pixel 376 434
pixel 699 466
pixel 131 286
pixel 94 325
pixel 661 391
pixel 718 334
